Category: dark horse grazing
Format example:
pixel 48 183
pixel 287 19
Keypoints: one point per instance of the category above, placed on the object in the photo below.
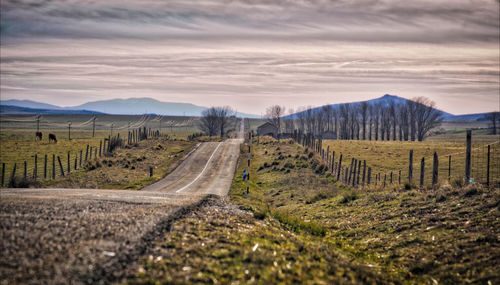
pixel 39 135
pixel 52 137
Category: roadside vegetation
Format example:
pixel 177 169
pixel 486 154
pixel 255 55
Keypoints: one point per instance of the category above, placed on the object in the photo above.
pixel 298 225
pixel 128 167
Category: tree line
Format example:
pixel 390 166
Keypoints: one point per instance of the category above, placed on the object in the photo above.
pixel 409 121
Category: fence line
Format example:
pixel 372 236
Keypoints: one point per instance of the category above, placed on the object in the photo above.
pixel 484 166
pixel 67 162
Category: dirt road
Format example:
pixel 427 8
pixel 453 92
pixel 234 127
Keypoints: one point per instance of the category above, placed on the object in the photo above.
pixel 89 236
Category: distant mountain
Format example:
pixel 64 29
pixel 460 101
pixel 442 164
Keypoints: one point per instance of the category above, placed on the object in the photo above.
pixel 7 109
pixel 135 106
pixel 29 104
pixel 387 99
pixel 131 106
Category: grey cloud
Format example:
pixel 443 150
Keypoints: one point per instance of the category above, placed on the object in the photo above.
pixel 362 20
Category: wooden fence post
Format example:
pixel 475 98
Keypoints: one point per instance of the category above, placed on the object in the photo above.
pixel 95 153
pixel 100 148
pixel 87 154
pixel 354 173
pixel 25 173
pixel 385 176
pixel 467 156
pixel 3 174
pixel 410 167
pixel 350 171
pixel 13 172
pixel 399 177
pixel 435 169
pixel 488 168
pixel 369 178
pixel 60 165
pixel 390 178
pixel 45 167
pixel 359 171
pixel 53 166
pixel 76 161
pixel 339 167
pixel 69 163
pixel 449 168
pixel 333 162
pixel 364 172
pixel 90 153
pixel 35 170
pixel 150 171
pixel 422 170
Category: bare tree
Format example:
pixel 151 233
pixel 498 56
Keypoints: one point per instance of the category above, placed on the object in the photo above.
pixel 376 118
pixel 344 113
pixel 403 122
pixel 301 119
pixel 216 120
pixel 274 114
pixel 364 115
pixel 493 117
pixel 426 115
pixel 411 107
pixel 394 121
pixel 209 121
pixel 371 122
pixel 310 120
pixel 289 122
pixel 224 115
pixel 327 115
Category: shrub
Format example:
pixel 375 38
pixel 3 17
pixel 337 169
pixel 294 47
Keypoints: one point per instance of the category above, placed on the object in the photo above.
pixel 94 164
pixel 115 143
pixel 21 182
pixel 289 164
pixel 318 197
pixel 457 183
pixel 348 197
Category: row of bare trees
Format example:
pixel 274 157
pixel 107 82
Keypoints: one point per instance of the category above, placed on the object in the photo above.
pixel 216 121
pixel 411 120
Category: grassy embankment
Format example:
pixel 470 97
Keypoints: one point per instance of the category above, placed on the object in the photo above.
pixel 300 225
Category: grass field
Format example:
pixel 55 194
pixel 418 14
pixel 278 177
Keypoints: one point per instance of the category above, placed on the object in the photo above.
pixel 18 144
pixel 391 156
pixel 299 226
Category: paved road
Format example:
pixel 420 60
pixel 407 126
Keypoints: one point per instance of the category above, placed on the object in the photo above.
pixel 89 235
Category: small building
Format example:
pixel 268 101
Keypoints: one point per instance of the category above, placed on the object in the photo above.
pixel 329 135
pixel 267 129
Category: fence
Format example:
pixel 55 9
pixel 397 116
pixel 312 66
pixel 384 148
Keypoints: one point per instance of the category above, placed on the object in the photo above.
pixel 475 165
pixel 52 166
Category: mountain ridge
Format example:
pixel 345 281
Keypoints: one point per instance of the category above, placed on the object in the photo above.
pixel 119 106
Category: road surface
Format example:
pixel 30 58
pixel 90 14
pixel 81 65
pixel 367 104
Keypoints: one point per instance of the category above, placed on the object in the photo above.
pixel 90 235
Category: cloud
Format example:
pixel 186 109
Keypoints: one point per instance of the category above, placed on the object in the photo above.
pixel 251 53
pixel 362 20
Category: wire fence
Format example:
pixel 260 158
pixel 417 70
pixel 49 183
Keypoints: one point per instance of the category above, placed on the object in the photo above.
pixel 44 166
pixel 483 166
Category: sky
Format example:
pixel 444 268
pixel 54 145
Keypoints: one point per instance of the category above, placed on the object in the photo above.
pixel 251 54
